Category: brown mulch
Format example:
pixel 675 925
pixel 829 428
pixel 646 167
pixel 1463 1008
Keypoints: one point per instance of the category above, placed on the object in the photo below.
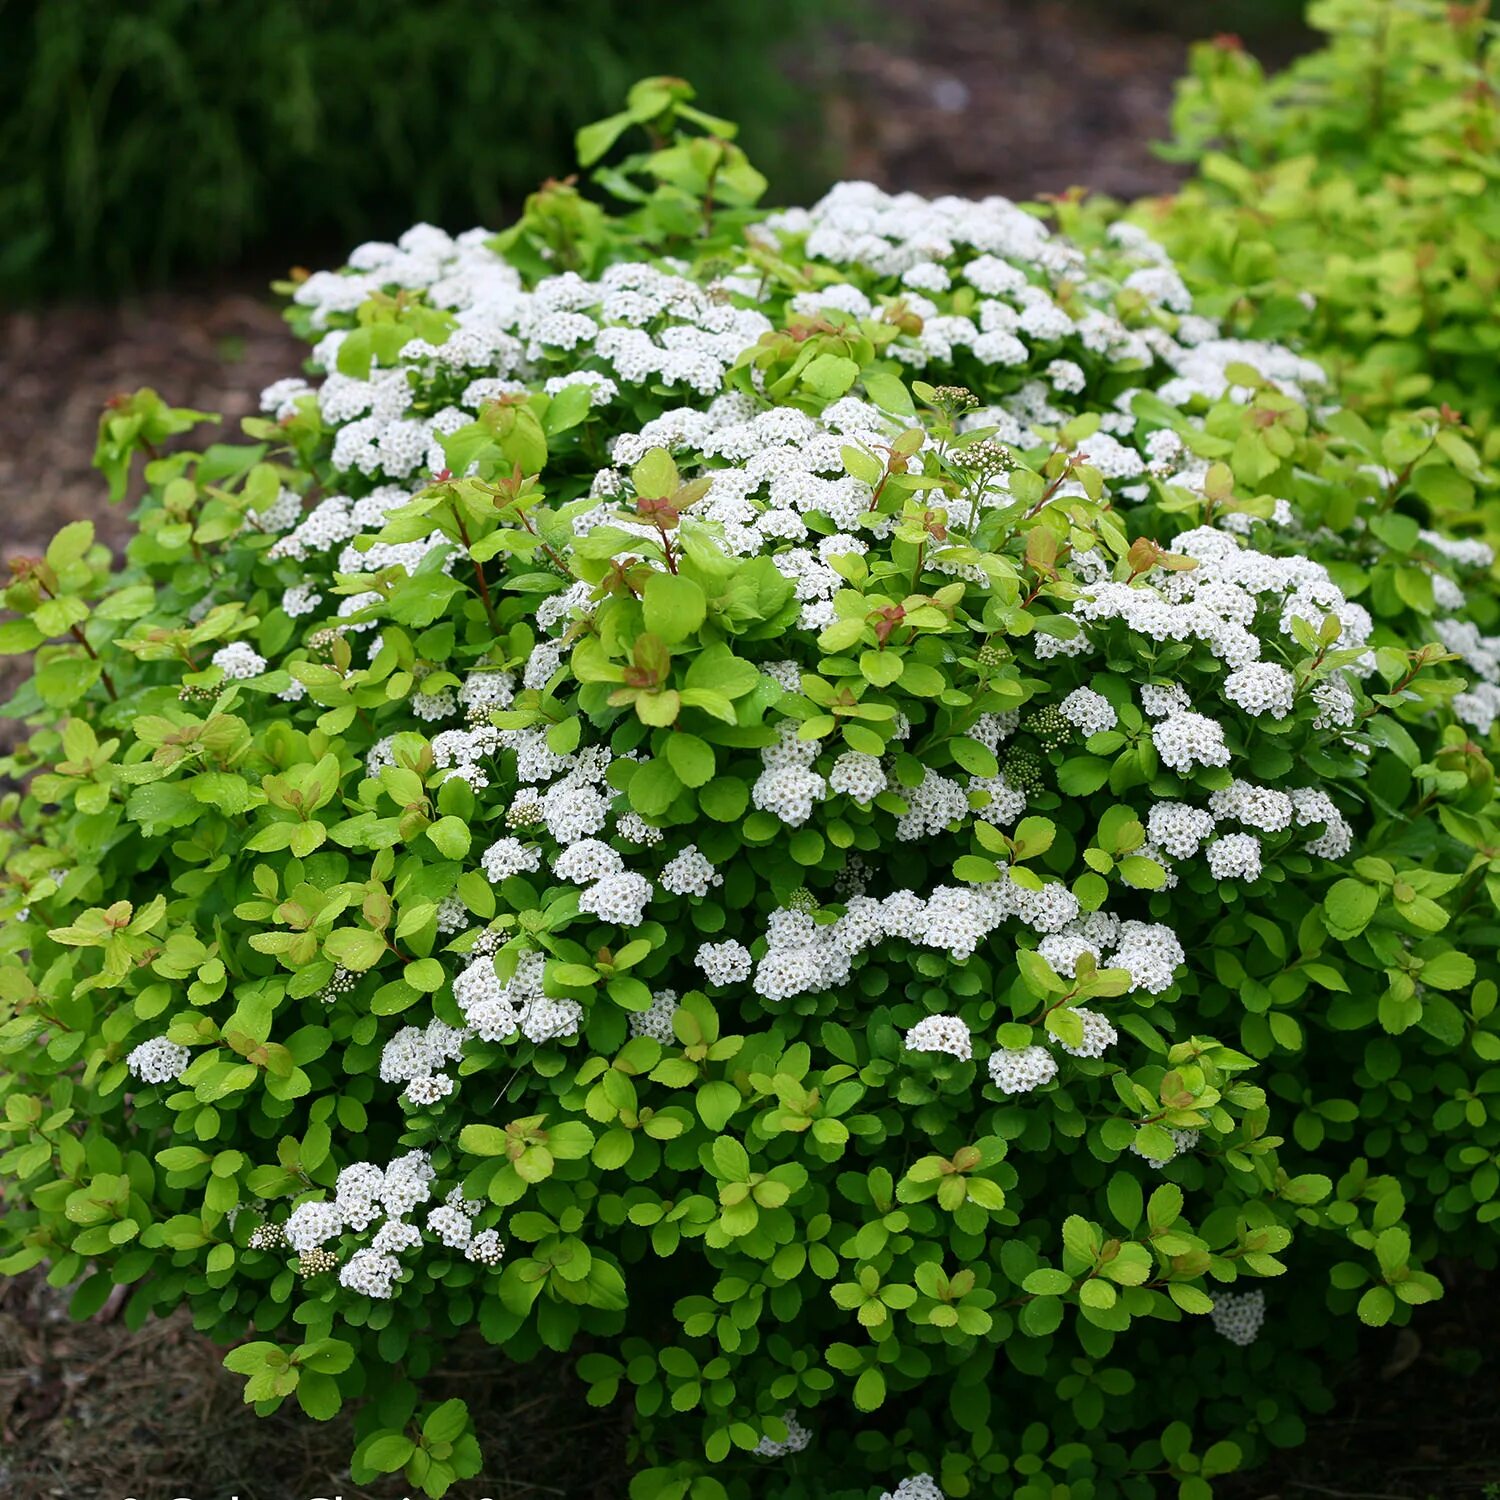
pixel 1019 97
pixel 209 349
pixel 93 1409
pixel 212 350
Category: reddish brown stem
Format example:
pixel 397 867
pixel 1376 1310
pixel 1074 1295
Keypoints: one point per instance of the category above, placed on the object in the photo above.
pixel 76 632
pixel 479 578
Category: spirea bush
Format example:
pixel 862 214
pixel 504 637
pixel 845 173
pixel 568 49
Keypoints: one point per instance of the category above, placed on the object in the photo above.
pixel 1353 201
pixel 850 812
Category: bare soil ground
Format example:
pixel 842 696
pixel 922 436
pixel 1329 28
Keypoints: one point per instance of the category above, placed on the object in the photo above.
pixel 93 1411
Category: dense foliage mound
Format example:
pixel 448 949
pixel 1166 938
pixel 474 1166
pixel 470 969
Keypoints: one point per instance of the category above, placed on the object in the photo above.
pixel 851 810
pixel 1353 200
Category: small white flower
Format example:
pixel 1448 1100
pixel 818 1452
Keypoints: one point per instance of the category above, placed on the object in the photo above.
pixel 1022 1070
pixel 158 1061
pixel 940 1034
pixel 239 659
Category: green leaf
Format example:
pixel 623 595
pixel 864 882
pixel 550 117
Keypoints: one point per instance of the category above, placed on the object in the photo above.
pixel 1144 874
pixel 731 1159
pixel 976 759
pixel 571 1140
pixel 355 948
pixel 594 140
pixel 716 1102
pixel 674 606
pixel 724 799
pixel 318 1395
pixel 388 1452
pixel 974 869
pixel 250 1359
pixel 888 393
pixel 1348 906
pixel 1449 970
pixel 1376 1306
pixel 482 1140
pixel 1081 775
pixel 869 1389
pixel 841 635
pixel 446 1423
pixel 691 758
pixel 1033 836
pixel 450 836
pixel 654 787
pixel 19 636
pixel 655 476
pixel 426 974
pixel 1190 1299
pixel 1124 1194
pixel 1047 1282
pixel 830 376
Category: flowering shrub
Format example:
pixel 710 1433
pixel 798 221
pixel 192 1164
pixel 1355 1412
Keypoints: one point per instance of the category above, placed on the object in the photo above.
pixel 851 808
pixel 1353 201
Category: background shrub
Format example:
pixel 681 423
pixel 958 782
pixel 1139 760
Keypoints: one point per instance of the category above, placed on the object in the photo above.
pixel 156 136
pixel 852 805
pixel 1352 201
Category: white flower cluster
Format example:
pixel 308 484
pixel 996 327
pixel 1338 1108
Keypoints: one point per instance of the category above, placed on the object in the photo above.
pixel 859 776
pixel 797 1438
pixel 656 1020
pixel 1233 600
pixel 725 963
pixel 364 1195
pixel 803 956
pixel 158 1060
pixel 1088 712
pixel 452 1221
pixel 1238 1315
pixel 1263 687
pixel 918 1487
pixel 1021 1070
pixel 688 873
pixel 415 1053
pixel 941 1034
pixel 239 659
pixel 1178 829
pixel 1236 856
pixel 1098 1035
pixel 788 787
pixel 1479 705
pixel 1148 951
pixel 1187 740
pixel 1259 807
pixel 495 1010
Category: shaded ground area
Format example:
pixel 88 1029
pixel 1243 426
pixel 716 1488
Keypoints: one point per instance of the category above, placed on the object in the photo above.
pixel 92 1411
pixel 1416 1417
pixel 1021 98
pixel 974 96
pixel 209 349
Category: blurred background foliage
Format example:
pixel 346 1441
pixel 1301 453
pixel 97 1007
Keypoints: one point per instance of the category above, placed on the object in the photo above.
pixel 145 139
